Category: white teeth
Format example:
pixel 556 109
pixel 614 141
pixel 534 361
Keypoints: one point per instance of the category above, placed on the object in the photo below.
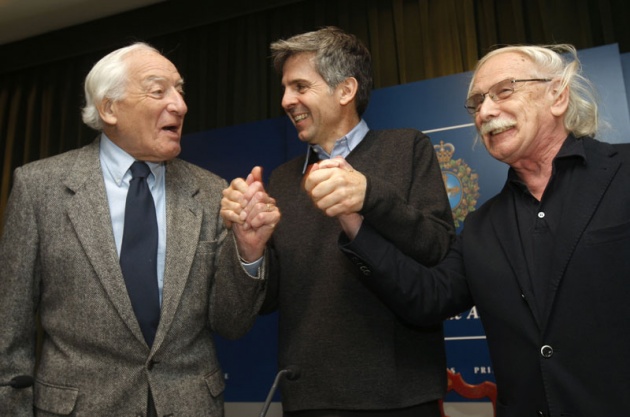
pixel 300 117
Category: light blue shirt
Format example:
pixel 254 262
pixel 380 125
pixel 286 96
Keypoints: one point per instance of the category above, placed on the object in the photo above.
pixel 342 146
pixel 115 165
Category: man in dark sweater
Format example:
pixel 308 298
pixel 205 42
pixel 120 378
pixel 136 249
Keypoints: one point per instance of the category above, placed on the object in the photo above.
pixel 355 356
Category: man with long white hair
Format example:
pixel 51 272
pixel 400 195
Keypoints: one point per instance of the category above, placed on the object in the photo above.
pixel 546 261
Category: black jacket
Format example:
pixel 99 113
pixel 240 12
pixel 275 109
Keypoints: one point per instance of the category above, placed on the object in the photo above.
pixel 573 360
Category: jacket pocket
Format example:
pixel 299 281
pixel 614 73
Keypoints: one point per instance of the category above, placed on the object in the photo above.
pixel 55 399
pixel 215 382
pixel 610 234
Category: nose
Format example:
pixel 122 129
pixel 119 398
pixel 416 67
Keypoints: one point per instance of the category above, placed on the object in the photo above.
pixel 488 108
pixel 177 104
pixel 288 99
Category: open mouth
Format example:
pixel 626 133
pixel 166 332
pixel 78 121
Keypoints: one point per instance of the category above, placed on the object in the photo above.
pixel 171 128
pixel 500 130
pixel 300 117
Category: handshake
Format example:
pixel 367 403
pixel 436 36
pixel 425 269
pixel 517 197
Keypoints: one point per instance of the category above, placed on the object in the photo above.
pixel 333 185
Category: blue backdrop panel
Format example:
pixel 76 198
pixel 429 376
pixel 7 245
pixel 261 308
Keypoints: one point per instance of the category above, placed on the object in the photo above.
pixel 471 177
pixel 233 151
pixel 625 66
pixel 603 67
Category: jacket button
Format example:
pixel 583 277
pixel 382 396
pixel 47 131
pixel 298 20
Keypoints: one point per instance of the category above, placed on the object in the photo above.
pixel 151 364
pixel 546 351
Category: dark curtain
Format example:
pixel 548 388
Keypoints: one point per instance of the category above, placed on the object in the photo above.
pixel 222 52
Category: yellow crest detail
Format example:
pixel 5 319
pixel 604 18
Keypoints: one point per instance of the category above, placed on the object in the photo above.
pixel 460 181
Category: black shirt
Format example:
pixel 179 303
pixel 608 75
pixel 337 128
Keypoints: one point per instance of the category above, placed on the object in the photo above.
pixel 538 220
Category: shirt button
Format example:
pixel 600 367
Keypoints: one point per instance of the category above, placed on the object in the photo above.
pixel 546 351
pixel 541 214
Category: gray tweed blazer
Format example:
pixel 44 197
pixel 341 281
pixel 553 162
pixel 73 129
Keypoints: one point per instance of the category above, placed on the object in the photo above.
pixel 59 259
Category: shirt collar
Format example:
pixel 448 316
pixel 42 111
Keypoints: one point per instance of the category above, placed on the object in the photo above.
pixel 571 148
pixel 342 146
pixel 116 162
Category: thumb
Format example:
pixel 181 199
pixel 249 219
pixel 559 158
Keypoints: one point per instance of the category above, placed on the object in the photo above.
pixel 255 175
pixel 257 172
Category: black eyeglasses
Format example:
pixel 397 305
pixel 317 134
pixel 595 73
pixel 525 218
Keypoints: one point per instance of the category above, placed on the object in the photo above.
pixel 499 91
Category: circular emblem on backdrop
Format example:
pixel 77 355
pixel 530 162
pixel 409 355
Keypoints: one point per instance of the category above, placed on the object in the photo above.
pixel 460 181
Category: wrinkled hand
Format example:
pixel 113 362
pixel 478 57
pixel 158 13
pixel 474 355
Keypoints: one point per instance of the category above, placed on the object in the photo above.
pixel 251 213
pixel 335 187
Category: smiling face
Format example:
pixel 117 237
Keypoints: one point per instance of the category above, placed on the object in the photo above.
pixel 525 126
pixel 321 116
pixel 147 122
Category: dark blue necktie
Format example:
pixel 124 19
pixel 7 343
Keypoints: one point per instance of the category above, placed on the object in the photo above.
pixel 138 255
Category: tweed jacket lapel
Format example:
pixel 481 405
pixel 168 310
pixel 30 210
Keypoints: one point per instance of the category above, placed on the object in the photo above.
pixel 183 226
pixel 89 214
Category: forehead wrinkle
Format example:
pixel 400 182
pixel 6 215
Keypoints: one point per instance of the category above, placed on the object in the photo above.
pixel 179 83
pixel 153 79
pixel 513 63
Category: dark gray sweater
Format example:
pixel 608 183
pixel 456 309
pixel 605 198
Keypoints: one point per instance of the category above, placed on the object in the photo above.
pixel 353 352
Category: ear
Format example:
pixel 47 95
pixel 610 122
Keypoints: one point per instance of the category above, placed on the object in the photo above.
pixel 107 111
pixel 347 90
pixel 560 99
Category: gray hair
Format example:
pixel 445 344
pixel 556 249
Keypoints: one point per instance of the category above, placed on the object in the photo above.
pixel 108 80
pixel 560 62
pixel 338 56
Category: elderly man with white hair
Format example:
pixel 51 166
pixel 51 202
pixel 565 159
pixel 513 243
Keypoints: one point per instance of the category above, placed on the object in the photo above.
pixel 546 261
pixel 120 249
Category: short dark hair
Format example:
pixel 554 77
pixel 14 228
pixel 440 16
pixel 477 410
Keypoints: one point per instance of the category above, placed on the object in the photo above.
pixel 337 55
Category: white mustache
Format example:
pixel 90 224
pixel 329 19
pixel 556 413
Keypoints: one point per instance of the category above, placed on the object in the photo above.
pixel 496 124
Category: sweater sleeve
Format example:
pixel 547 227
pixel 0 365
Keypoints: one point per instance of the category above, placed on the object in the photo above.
pixel 417 220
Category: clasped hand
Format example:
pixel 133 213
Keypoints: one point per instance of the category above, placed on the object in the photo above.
pixel 338 190
pixel 251 213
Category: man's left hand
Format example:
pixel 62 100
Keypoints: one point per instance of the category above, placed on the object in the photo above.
pixel 335 187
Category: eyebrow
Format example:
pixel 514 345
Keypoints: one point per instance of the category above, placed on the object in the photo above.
pixel 481 92
pixel 296 81
pixel 158 79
